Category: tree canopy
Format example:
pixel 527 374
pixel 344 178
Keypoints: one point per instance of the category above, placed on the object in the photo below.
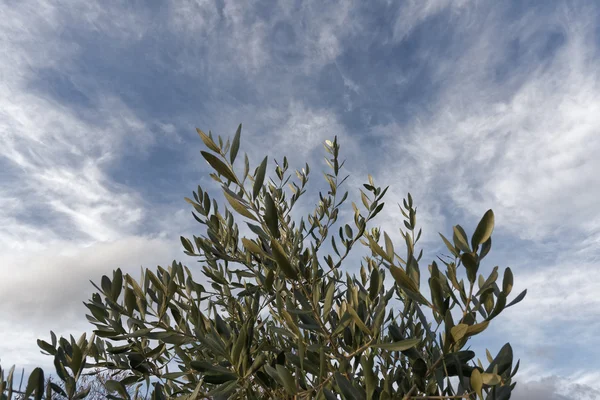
pixel 278 314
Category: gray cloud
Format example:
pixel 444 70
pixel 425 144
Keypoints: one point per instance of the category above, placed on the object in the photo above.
pixel 46 288
pixel 554 388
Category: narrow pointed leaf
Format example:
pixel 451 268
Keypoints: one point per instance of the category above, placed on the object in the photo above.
pixel 328 299
pixel 477 328
pixel 282 260
pixel 460 239
pixel 398 346
pixel 477 382
pixel 252 247
pixel 484 229
pixel 286 378
pixel 517 299
pixel 271 216
pixel 458 331
pixel 389 246
pixel 361 325
pixel 269 280
pixel 449 246
pixel 374 284
pixel 259 178
pixel 187 244
pixel 235 145
pixel 208 141
pixel 238 206
pixel 116 386
pixel 402 279
pixel 35 384
pixel 377 249
pixel 219 166
pixel 507 281
pixel 348 390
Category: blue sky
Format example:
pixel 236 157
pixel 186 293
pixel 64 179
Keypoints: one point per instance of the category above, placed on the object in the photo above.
pixel 467 104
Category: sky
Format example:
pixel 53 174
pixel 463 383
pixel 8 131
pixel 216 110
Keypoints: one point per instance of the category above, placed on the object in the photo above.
pixel 466 104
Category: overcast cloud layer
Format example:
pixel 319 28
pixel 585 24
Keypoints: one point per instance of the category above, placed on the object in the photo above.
pixel 468 105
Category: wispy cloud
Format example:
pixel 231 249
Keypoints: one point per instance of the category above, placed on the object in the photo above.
pixel 513 127
pixel 64 219
pixel 411 13
pixel 523 144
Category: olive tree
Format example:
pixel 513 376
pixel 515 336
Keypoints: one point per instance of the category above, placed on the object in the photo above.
pixel 92 383
pixel 278 314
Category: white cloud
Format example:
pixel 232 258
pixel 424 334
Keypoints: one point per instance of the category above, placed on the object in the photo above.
pixel 60 170
pixel 526 148
pixel 64 220
pixel 240 37
pixel 414 12
pixel 242 47
pixel 193 15
pixel 327 26
pixel 57 155
pixel 558 297
pixel 305 130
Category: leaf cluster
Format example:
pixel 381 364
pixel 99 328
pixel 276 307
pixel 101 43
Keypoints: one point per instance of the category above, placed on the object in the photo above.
pixel 277 316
